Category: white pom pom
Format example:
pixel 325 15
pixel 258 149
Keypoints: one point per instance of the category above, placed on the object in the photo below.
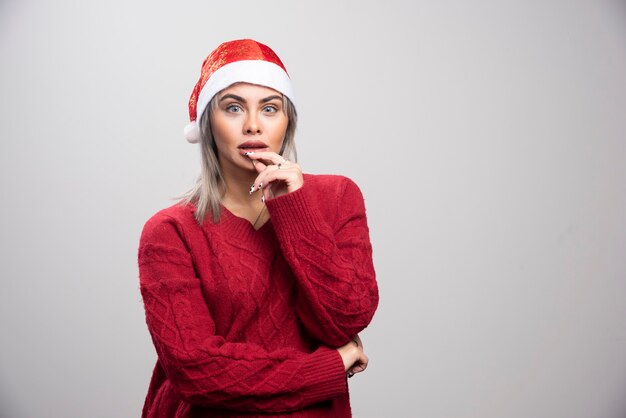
pixel 192 132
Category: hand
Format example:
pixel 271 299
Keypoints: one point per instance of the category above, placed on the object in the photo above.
pixel 354 359
pixel 275 174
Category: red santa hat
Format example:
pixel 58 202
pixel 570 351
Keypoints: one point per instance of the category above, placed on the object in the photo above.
pixel 243 60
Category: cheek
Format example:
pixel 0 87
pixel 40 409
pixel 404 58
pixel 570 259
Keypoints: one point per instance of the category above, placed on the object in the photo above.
pixel 224 133
pixel 279 128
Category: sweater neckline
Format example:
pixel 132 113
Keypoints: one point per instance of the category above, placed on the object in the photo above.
pixel 241 224
pixel 239 232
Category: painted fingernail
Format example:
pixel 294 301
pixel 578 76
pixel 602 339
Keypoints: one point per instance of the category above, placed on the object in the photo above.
pixel 260 185
pixel 251 189
pixel 248 153
pixel 263 199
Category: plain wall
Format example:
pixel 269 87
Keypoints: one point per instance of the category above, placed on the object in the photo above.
pixel 488 138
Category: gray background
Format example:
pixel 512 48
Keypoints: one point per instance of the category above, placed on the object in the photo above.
pixel 488 138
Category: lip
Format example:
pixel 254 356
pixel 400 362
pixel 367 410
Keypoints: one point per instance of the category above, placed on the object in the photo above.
pixel 253 146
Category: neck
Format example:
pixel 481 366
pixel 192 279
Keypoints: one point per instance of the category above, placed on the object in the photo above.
pixel 237 192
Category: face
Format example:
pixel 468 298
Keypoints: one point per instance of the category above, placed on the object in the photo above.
pixel 247 118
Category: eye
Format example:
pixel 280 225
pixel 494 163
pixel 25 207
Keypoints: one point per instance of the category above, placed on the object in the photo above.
pixel 233 108
pixel 270 109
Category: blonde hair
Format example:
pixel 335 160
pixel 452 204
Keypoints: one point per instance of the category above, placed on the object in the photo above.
pixel 208 191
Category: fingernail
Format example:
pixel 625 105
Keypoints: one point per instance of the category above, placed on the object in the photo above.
pixel 251 189
pixel 260 185
pixel 263 199
pixel 248 153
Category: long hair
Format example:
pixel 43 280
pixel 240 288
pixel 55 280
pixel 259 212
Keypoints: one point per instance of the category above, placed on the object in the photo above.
pixel 209 189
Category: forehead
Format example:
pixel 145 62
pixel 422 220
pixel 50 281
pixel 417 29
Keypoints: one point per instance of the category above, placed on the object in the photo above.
pixel 247 90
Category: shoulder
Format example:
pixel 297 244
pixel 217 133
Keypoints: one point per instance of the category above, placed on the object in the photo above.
pixel 332 185
pixel 168 223
pixel 336 196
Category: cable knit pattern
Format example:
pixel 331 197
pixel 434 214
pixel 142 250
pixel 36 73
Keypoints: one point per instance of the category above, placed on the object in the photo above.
pixel 244 321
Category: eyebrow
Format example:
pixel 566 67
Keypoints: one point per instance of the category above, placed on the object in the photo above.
pixel 270 98
pixel 241 99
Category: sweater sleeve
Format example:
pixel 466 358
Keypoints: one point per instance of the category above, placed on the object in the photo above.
pixel 202 366
pixel 333 264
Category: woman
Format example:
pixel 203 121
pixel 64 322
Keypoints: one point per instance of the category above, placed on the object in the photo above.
pixel 257 283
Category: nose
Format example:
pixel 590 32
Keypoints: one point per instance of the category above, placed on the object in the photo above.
pixel 252 125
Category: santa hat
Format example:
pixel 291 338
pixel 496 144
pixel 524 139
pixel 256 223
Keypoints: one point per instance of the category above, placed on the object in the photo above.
pixel 243 60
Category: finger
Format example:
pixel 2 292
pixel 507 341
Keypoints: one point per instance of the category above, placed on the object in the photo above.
pixel 266 156
pixel 357 369
pixel 361 365
pixel 266 193
pixel 358 340
pixel 260 181
pixel 258 166
pixel 274 175
pixel 270 174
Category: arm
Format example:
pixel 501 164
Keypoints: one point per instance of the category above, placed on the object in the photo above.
pixel 203 367
pixel 333 264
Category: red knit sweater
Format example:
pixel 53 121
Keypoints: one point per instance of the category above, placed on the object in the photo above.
pixel 244 321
